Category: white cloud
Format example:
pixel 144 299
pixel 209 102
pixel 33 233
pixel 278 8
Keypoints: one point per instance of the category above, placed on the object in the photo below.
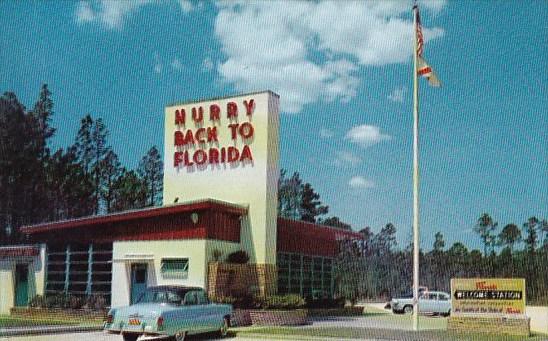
pixel 177 65
pixel 366 135
pixel 360 182
pixel 207 65
pixel 343 158
pixel 398 95
pixel 110 14
pixel 326 133
pixel 84 13
pixel 311 51
pixel 186 6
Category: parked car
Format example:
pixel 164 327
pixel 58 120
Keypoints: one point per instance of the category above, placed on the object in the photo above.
pixel 169 312
pixel 430 302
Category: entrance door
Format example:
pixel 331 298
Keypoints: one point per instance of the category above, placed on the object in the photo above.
pixel 21 285
pixel 138 281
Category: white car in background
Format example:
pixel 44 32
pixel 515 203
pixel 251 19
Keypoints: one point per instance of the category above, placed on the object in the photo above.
pixel 430 302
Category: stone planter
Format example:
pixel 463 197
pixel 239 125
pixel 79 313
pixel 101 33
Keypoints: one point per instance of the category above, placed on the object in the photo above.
pixel 59 313
pixel 240 318
pixel 328 312
pixel 279 317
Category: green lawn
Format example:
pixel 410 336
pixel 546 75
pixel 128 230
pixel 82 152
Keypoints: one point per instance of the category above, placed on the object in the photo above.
pixel 362 333
pixel 7 321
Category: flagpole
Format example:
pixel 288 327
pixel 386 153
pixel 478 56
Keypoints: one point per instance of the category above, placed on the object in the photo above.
pixel 416 243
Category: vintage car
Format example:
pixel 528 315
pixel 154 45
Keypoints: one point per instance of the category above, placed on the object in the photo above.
pixel 430 302
pixel 169 312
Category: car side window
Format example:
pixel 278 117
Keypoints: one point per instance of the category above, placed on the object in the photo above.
pixel 202 298
pixel 191 298
pixel 444 297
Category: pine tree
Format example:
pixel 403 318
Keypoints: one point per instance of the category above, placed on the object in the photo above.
pixel 151 170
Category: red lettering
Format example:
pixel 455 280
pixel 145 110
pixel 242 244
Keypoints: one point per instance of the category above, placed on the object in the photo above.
pixel 198 135
pixel 233 154
pixel 246 130
pixel 180 116
pixel 200 157
pixel 198 115
pixel 231 110
pixel 249 106
pixel 179 139
pixel 212 134
pixel 177 158
pixel 214 112
pixel 233 128
pixel 187 160
pixel 223 155
pixel 213 155
pixel 189 138
pixel 246 154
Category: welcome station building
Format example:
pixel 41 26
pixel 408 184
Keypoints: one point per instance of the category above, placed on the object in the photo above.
pixel 220 195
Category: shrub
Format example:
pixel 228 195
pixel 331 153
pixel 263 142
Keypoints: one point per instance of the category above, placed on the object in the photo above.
pixel 38 301
pixel 96 302
pixel 240 302
pixel 325 303
pixel 75 302
pixel 238 257
pixel 57 301
pixel 283 302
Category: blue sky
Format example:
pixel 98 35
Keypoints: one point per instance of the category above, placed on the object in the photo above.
pixel 343 71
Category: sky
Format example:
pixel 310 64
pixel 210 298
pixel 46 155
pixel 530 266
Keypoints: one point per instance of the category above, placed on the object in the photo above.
pixel 343 71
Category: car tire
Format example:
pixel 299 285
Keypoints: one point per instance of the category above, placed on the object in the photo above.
pixel 224 329
pixel 130 337
pixel 181 336
pixel 408 309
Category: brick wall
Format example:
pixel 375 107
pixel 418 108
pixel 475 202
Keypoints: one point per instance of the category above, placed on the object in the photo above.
pixel 235 280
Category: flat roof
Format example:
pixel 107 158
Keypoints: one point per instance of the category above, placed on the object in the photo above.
pixel 206 204
pixel 220 98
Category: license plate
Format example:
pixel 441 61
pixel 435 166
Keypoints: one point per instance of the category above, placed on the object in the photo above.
pixel 134 322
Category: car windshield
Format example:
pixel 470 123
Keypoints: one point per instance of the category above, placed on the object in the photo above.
pixel 162 295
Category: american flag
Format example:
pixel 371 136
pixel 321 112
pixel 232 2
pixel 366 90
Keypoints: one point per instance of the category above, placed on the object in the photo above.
pixel 420 39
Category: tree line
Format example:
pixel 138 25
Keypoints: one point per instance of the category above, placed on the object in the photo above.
pixel 375 267
pixel 86 178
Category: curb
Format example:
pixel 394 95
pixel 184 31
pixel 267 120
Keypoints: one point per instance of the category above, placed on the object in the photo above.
pixel 47 330
pixel 257 336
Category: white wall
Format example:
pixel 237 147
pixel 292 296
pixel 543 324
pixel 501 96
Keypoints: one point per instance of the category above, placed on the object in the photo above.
pixel 36 278
pixel 193 249
pixel 253 184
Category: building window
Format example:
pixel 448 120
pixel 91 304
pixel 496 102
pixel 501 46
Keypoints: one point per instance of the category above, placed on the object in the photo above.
pixel 174 268
pixel 305 275
pixel 79 269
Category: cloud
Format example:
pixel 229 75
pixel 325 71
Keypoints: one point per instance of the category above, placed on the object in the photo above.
pixel 343 158
pixel 177 65
pixel 110 14
pixel 186 6
pixel 360 182
pixel 366 135
pixel 398 95
pixel 207 65
pixel 312 51
pixel 326 133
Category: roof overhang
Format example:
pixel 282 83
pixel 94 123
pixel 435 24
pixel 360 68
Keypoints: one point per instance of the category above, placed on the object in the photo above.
pixel 187 207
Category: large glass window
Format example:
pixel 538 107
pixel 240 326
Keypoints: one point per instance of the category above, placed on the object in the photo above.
pixel 79 269
pixel 305 275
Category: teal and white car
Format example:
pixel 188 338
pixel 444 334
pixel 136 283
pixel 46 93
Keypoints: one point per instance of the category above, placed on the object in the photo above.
pixel 169 312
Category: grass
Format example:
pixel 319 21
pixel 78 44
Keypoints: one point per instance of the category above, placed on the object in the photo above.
pixel 7 321
pixel 378 325
pixel 385 334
